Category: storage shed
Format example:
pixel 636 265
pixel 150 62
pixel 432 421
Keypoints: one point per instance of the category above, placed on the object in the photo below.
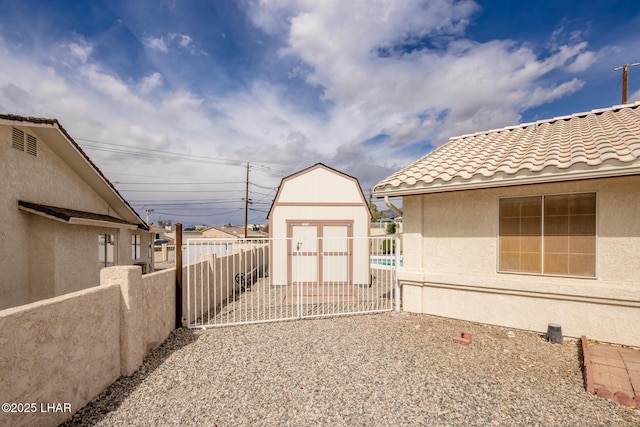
pixel 319 225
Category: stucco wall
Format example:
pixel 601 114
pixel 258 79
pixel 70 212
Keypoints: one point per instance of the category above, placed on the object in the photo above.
pixel 62 258
pixel 450 263
pixel 41 257
pixel 69 348
pixel 159 305
pixel 62 350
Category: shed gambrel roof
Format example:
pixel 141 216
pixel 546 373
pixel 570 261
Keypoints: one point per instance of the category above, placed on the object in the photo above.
pixel 312 168
pixel 597 144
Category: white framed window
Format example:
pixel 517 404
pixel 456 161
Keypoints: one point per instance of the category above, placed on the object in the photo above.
pixel 550 235
pixel 106 250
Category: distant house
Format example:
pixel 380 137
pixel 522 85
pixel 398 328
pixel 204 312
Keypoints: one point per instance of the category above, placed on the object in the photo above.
pixel 159 236
pixel 230 232
pixel 528 225
pixel 62 219
pixel 315 216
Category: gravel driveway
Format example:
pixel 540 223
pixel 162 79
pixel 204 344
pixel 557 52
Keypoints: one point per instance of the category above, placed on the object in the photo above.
pixel 368 370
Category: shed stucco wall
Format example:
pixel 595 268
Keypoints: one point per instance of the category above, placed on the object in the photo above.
pixel 450 263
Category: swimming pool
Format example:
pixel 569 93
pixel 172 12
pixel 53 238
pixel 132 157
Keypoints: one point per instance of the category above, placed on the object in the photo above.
pixel 384 260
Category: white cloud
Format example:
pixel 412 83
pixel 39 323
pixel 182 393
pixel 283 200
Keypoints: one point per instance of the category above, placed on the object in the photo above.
pixel 149 83
pixel 81 52
pixel 181 100
pixel 163 43
pixel 156 43
pixel 109 85
pixel 182 39
pixel 479 84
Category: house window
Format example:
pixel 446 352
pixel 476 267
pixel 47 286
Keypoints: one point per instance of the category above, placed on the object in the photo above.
pixel 135 246
pixel 553 235
pixel 106 249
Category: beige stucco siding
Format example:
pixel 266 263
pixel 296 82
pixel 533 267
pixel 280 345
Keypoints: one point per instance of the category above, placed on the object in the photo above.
pixel 43 257
pixel 456 273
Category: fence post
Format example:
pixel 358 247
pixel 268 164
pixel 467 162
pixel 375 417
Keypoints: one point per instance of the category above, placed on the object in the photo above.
pixel 178 275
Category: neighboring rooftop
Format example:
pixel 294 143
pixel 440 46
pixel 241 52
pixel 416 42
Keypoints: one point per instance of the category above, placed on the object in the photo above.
pixel 600 143
pixel 239 231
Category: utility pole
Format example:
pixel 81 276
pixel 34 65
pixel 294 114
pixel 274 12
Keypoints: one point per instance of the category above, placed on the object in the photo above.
pixel 147 212
pixel 625 79
pixel 246 203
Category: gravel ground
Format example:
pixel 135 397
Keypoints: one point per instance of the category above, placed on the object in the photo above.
pixel 374 370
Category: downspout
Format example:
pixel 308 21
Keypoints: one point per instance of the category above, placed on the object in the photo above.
pixel 392 206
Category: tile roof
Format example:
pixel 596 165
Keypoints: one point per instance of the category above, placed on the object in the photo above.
pixel 600 143
pixel 67 215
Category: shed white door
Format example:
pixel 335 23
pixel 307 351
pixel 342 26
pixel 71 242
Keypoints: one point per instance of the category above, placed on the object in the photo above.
pixel 335 254
pixel 320 252
pixel 304 256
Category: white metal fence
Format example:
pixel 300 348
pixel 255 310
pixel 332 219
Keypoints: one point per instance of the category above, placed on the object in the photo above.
pixel 231 282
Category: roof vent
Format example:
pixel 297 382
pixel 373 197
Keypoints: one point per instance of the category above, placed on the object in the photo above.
pixel 18 139
pixel 32 145
pixel 18 142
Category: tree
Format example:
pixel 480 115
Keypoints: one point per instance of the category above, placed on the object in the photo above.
pixel 376 215
pixel 391 228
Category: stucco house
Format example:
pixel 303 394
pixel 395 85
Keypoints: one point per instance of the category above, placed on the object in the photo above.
pixel 62 219
pixel 236 233
pixel 528 225
pixel 319 222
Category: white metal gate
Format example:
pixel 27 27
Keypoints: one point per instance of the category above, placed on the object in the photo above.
pixel 232 282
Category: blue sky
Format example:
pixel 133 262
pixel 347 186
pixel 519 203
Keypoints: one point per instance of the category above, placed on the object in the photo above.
pixel 172 98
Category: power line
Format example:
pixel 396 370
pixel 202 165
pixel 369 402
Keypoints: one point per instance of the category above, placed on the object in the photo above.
pixel 156 176
pixel 170 155
pixel 178 183
pixel 197 215
pixel 178 191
